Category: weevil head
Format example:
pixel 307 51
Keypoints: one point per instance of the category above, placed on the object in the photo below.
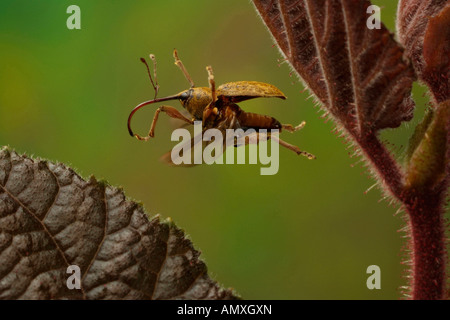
pixel 195 100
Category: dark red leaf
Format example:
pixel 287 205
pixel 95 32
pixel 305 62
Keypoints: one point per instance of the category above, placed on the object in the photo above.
pixel 50 218
pixel 358 74
pixel 423 27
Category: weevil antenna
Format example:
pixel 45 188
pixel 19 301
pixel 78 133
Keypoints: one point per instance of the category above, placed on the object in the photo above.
pixel 155 83
pixel 153 58
pixel 139 106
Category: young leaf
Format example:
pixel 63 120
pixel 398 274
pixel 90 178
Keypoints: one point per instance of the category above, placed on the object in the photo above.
pixel 427 165
pixel 423 27
pixel 358 74
pixel 419 133
pixel 51 219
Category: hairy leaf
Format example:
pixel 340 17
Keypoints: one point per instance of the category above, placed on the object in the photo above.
pixel 358 74
pixel 50 219
pixel 423 27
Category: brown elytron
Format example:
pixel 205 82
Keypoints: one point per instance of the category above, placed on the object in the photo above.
pixel 217 108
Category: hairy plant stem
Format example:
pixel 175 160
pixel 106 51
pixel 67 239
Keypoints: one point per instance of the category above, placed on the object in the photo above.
pixel 428 249
pixel 383 164
pixel 426 219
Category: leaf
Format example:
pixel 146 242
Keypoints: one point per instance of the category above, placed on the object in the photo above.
pixel 423 28
pixel 427 166
pixel 419 133
pixel 51 218
pixel 358 74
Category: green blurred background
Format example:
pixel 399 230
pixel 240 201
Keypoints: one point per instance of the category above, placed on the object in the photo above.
pixel 308 232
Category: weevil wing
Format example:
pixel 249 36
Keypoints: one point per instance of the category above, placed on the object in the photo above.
pixel 189 146
pixel 176 159
pixel 244 90
pixel 178 123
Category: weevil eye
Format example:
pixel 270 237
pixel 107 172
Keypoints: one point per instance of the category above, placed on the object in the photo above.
pixel 184 95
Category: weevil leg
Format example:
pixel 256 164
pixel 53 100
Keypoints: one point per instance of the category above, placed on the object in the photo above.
pixel 256 137
pixel 293 148
pixel 182 68
pixel 171 112
pixel 291 128
pixel 155 85
pixel 212 83
pixel 211 108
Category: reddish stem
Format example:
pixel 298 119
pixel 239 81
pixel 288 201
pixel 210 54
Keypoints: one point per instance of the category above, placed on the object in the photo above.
pixel 425 209
pixel 383 163
pixel 428 248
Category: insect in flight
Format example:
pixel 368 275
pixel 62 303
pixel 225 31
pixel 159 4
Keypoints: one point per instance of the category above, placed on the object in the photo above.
pixel 217 107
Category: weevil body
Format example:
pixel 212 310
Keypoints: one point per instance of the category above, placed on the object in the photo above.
pixel 195 100
pixel 217 108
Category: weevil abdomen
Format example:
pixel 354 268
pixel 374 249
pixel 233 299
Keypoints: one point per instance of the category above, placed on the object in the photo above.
pixel 258 121
pixel 233 117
